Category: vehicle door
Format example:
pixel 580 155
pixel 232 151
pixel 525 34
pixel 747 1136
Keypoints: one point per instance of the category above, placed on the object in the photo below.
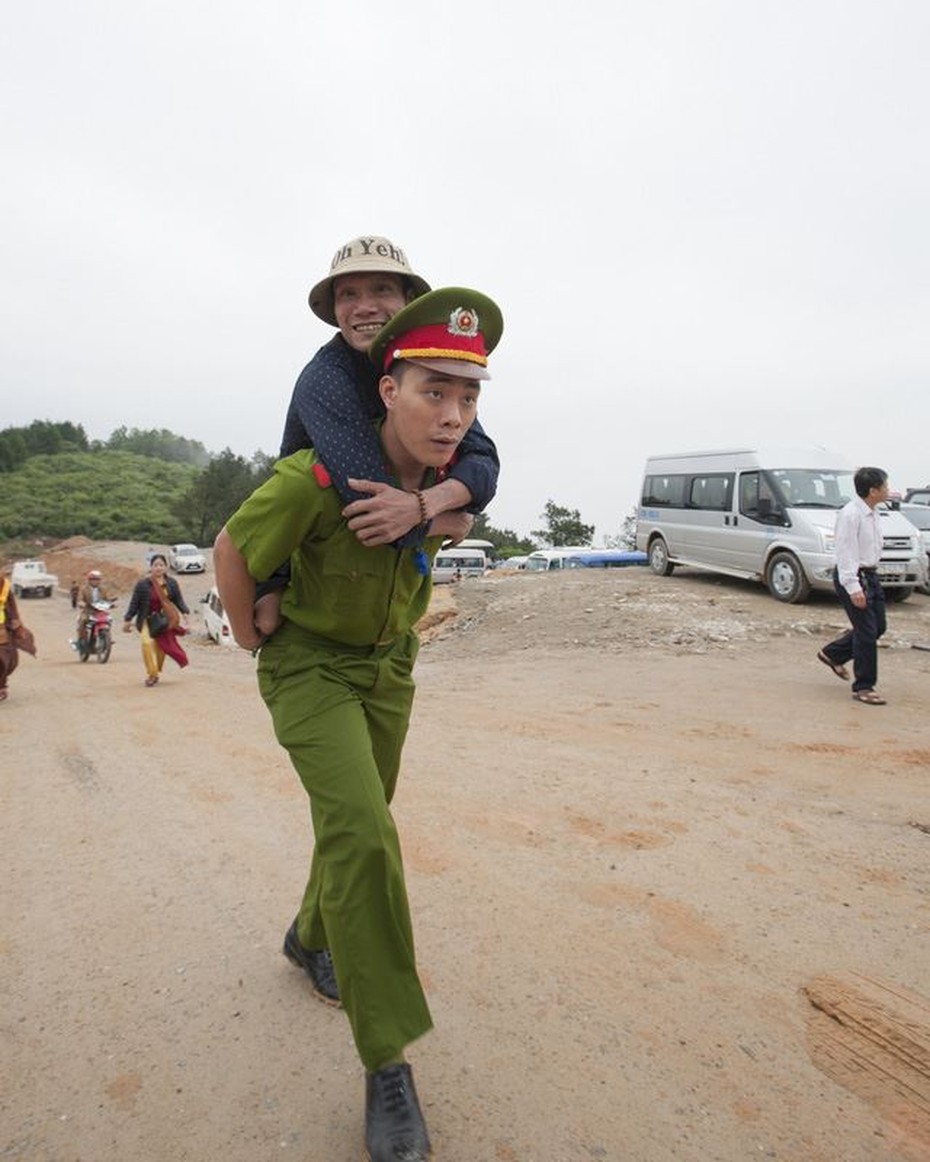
pixel 758 517
pixel 709 518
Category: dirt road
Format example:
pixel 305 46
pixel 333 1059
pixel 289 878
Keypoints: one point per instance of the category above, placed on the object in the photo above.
pixel 669 887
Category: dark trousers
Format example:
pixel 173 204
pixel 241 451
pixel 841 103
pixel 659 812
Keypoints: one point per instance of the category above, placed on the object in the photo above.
pixel 859 643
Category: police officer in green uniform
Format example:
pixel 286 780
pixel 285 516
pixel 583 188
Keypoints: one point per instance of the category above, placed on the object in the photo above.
pixel 337 680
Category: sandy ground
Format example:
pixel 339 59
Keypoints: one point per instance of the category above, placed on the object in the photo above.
pixel 669 884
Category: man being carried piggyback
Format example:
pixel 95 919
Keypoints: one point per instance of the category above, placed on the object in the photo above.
pixel 336 398
pixel 337 679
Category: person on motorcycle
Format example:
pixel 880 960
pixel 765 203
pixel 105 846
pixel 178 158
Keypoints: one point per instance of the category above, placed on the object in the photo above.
pixel 92 591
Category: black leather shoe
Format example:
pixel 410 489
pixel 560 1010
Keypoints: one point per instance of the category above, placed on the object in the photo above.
pixel 317 964
pixel 394 1126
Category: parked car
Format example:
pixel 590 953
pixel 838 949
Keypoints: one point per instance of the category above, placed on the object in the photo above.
pixel 215 621
pixel 186 559
pixel 766 515
pixel 30 578
pixel 542 560
pixel 919 516
pixel 454 563
pixel 918 495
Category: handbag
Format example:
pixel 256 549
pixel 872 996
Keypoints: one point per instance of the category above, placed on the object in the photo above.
pixel 157 622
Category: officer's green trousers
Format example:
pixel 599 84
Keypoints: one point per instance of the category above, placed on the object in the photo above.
pixel 342 716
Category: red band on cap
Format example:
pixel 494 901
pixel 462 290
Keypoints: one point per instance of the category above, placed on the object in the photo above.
pixel 437 342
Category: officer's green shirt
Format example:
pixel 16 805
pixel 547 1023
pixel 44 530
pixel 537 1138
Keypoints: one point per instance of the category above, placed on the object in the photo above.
pixel 339 589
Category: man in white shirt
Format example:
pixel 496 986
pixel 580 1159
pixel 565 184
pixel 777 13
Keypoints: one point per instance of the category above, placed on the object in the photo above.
pixel 858 547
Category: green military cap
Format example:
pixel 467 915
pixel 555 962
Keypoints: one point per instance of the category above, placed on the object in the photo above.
pixel 451 329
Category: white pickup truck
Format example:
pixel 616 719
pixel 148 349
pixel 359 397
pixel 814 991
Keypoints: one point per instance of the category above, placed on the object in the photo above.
pixel 30 577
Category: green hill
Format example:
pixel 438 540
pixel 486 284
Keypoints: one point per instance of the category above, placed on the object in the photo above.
pixel 105 495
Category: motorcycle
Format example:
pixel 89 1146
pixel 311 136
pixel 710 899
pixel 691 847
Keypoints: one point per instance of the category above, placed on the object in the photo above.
pixel 97 637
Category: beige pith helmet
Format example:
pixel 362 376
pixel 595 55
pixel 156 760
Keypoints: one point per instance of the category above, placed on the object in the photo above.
pixel 366 255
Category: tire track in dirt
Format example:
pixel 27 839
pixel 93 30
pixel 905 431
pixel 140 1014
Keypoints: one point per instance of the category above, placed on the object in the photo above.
pixel 873 1038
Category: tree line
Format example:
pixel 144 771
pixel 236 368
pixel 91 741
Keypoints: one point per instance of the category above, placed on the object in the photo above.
pixel 47 438
pixel 156 485
pixel 136 485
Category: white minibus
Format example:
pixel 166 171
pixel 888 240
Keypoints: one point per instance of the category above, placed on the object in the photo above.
pixel 762 514
pixel 541 560
pixel 456 562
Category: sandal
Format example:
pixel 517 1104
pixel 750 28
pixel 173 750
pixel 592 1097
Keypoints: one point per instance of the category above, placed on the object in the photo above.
pixel 151 681
pixel 840 671
pixel 869 697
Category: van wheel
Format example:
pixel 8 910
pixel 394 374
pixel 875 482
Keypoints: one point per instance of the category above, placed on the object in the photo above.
pixel 786 580
pixel 898 592
pixel 658 558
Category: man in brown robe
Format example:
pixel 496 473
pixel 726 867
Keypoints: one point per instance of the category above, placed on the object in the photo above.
pixel 13 636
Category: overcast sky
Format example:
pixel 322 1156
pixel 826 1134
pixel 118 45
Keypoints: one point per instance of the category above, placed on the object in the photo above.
pixel 706 221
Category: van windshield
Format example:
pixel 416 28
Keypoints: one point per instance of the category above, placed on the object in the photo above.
pixel 813 487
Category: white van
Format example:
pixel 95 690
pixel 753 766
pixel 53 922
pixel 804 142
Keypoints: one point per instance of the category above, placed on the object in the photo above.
pixel 563 558
pixel 767 515
pixel 456 562
pixel 487 547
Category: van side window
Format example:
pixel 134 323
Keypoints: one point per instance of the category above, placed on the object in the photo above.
pixel 749 494
pixel 757 499
pixel 664 491
pixel 711 491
